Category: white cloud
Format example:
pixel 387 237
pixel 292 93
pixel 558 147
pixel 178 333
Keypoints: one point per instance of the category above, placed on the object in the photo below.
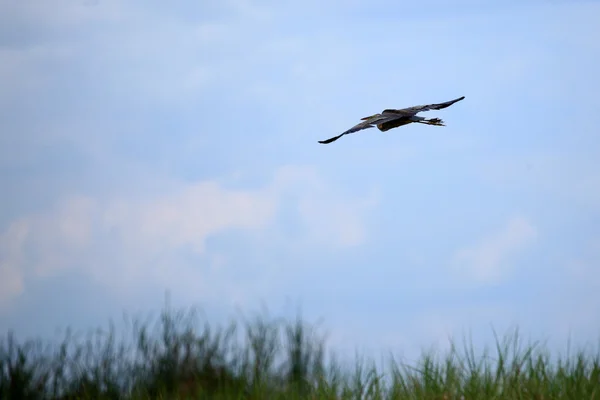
pixel 123 241
pixel 489 260
pixel 188 216
pixel 329 217
pixel 60 13
pixel 11 278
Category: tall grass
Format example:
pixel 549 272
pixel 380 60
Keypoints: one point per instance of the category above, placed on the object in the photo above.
pixel 181 356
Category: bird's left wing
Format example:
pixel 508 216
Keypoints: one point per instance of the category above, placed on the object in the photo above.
pixel 417 109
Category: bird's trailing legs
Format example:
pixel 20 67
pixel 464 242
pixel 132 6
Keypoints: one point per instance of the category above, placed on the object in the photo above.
pixel 432 121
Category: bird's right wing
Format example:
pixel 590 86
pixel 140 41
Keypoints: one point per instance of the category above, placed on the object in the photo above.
pixel 369 122
pixel 355 128
pixel 333 139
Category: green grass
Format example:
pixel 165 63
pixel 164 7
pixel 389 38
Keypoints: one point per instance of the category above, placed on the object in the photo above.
pixel 178 357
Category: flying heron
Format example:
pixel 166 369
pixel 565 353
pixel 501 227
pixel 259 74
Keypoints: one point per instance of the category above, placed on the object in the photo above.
pixel 390 118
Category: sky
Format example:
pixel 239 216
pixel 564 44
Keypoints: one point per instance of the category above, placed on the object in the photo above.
pixel 149 147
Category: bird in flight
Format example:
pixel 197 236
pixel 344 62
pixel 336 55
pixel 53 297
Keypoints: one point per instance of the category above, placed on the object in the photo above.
pixel 391 118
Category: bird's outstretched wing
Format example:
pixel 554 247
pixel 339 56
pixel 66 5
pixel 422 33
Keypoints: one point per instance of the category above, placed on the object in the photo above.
pixel 417 109
pixel 369 122
pixel 333 139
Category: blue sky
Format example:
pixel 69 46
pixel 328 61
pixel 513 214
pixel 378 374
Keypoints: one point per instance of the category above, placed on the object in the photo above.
pixel 150 147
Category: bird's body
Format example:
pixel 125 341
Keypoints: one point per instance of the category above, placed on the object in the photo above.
pixel 391 118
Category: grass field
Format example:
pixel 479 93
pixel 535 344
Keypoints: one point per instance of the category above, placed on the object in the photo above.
pixel 179 356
